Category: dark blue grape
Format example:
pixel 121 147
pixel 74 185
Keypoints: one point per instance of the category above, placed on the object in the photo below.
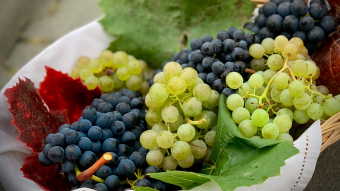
pixel 227 92
pixel 46 148
pixel 87 159
pixel 104 107
pixel 143 151
pixel 126 168
pixel 137 158
pixel 238 35
pixel 269 9
pixel 64 126
pixel 217 67
pixel 85 144
pixel 72 179
pixel 317 11
pixel 81 134
pixel 228 45
pixel 105 120
pixel 87 184
pixel 290 23
pixel 143 182
pixel 137 131
pixel 284 9
pixel 222 35
pixel 72 152
pixel 206 38
pixel 129 119
pixel 301 35
pixel 84 125
pixel 118 128
pixel 199 68
pixel 241 65
pixel 117 115
pixel 195 56
pixel 56 139
pixel 159 185
pixel 306 23
pixel 124 99
pixel 183 57
pixel 71 137
pixel 137 102
pixel 123 108
pixel 128 137
pixel 151 169
pixel 243 44
pixel 90 113
pixel 56 154
pixel 316 34
pixel 123 150
pixel 43 159
pixel 260 20
pixel 112 181
pixel 107 133
pixel 110 145
pixel 328 24
pixel 238 54
pixel 110 98
pixel 211 77
pixel 207 62
pixel 67 167
pixel 104 171
pixel 274 23
pixel 207 49
pixel 100 187
pixel 114 159
pixel 196 44
pixel 95 133
pixel 97 147
pixel 217 45
pixel 298 8
pixel 218 85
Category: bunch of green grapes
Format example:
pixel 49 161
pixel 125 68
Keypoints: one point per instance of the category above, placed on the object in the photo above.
pixel 181 116
pixel 269 103
pixel 112 71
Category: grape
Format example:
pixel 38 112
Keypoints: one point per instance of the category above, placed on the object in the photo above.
pixel 169 163
pixel 176 86
pixel 170 114
pixel 285 137
pixel 198 149
pixel 234 80
pixel 134 83
pixel 192 107
pixel 244 90
pixel 302 102
pixel 281 81
pixel 186 132
pixel 120 59
pixel 251 104
pixel 112 181
pixel 123 74
pixel 181 150
pixel 158 93
pixel 323 89
pixel 159 78
pixel 270 131
pixel 300 117
pixel 256 51
pixel 189 75
pixel 285 98
pixel 234 101
pixel 315 111
pixel 290 51
pixel 331 106
pixel 213 101
pixel 275 94
pixel 202 92
pixel 187 162
pixel 280 43
pixel 158 127
pixel 134 66
pixel 174 126
pixel 172 69
pixel 207 118
pixel 240 114
pixel 299 68
pixel 259 117
pixel 258 64
pixel 84 74
pixel 275 62
pixel 267 75
pixel 284 122
pixel 256 81
pixel 165 140
pixel 154 158
pixel 285 111
pixel 209 137
pixel 268 45
pixel 91 82
pixel 296 88
pixel 105 84
pixel 148 139
pixel 152 117
pixel 247 128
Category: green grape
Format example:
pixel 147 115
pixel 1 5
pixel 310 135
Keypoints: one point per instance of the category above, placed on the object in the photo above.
pixel 280 43
pixel 291 50
pixel 84 74
pixel 91 82
pixel 148 139
pixel 186 132
pixel 209 137
pixel 244 90
pixel 240 114
pixel 234 101
pixel 315 111
pixel 134 66
pixel 120 59
pixel 134 83
pixel 155 157
pixel 158 127
pixel 312 69
pixel 207 120
pixel 152 117
pixel 302 102
pixel 213 100
pixel 268 45
pixel 170 114
pixel 159 78
pixel 169 163
pixel 258 64
pixel 275 94
pixel 296 88
pixel 256 50
pixel 202 92
pixel 247 128
pixel 267 75
pixel 284 122
pixel 285 137
pixel 322 89
pixel 165 139
pixel 259 117
pixel 300 117
pixel 285 98
pixel 153 103
pixel 192 107
pixel 331 106
pixel 187 162
pixel 107 58
pixel 117 83
pixel 181 150
pixel 234 80
pixel 176 86
pixel 96 66
pixel 255 81
pixel 275 62
pixel 299 68
pixel 123 73
pixel 270 131
pixel 285 111
pixel 158 93
pixel 189 75
pixel 172 69
pixel 251 104
pixel 281 81
pixel 198 148
pixel 105 83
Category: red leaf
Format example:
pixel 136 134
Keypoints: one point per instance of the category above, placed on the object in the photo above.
pixel 61 92
pixel 48 177
pixel 328 60
pixel 30 116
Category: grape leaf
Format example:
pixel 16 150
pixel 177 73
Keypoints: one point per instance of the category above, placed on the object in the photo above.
pixel 238 161
pixel 63 93
pixel 154 30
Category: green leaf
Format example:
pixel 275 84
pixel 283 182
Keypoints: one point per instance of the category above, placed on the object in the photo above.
pixel 143 188
pixel 154 30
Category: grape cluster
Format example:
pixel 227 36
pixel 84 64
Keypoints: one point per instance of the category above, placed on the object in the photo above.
pixel 112 71
pixel 112 124
pixel 215 58
pixel 294 18
pixel 271 100
pixel 181 115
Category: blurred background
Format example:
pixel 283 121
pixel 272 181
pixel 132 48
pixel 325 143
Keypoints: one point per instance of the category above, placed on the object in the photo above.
pixel 29 26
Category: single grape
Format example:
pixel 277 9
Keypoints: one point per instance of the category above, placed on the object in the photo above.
pixel 153 103
pixel 240 114
pixel 186 132
pixel 123 73
pixel 302 102
pixel 247 128
pixel 91 82
pixel 165 139
pixel 159 78
pixel 198 148
pixel 234 101
pixel 192 107
pixel 170 114
pixel 169 163
pixel 270 131
pixel 284 122
pixel 285 111
pixel 331 106
pixel 258 64
pixel 256 81
pixel 209 137
pixel 296 88
pixel 120 59
pixel 268 45
pixel 244 90
pixel 134 83
pixel 189 75
pixel 300 117
pixel 159 127
pixel 299 68
pixel 172 69
pixel 158 93
pixel 213 101
pixel 234 80
pixel 134 66
pixel 275 94
pixel 281 81
pixel 285 137
pixel 291 50
pixel 148 139
pixel 187 162
pixel 152 117
pixel 202 92
pixel 154 157
pixel 275 62
pixel 251 104
pixel 315 111
pixel 259 117
pixel 267 75
pixel 84 74
pixel 322 89
pixel 176 86
pixel 280 43
pixel 285 98
pixel 181 150
pixel 256 50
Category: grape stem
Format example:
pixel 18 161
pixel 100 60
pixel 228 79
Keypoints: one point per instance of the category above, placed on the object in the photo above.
pixel 197 122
